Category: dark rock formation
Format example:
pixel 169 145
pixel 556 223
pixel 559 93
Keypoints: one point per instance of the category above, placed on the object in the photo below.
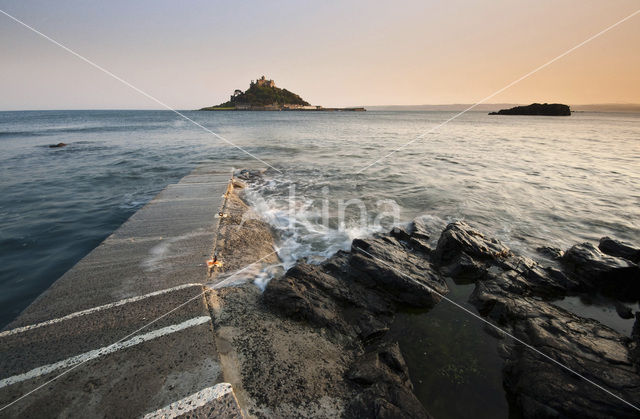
pixel 550 252
pixel 624 311
pixel 510 291
pixel 59 145
pixel 610 275
pixel 619 249
pixel 467 255
pixel 354 295
pixel 544 109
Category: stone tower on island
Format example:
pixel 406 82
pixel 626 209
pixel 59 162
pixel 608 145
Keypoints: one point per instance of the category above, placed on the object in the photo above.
pixel 264 82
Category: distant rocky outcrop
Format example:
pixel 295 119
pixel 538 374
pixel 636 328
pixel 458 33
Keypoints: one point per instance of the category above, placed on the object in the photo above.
pixel 262 94
pixel 542 109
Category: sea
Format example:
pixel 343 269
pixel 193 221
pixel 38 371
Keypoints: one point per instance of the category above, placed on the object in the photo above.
pixel 331 177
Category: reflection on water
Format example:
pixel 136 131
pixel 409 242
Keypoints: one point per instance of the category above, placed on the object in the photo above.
pixel 453 363
pixel 601 309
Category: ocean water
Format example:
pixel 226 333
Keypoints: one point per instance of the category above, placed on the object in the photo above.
pixel 529 181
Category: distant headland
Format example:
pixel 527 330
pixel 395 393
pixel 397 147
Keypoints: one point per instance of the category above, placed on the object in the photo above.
pixel 542 109
pixel 263 95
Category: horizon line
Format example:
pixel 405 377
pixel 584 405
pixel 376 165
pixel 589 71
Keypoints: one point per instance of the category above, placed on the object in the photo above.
pixel 627 104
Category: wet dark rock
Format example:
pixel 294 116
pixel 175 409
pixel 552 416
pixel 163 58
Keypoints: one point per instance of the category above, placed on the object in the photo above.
pixel 551 252
pixel 382 372
pixel 354 296
pixel 634 351
pixel 464 270
pixel 459 237
pixel 619 249
pixel 542 388
pixel 400 234
pixel 610 275
pixel 249 175
pixel 467 256
pixel 624 311
pixel 406 277
pixel 59 145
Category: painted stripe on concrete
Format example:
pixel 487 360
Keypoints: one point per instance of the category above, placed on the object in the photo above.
pixel 216 401
pixel 96 353
pixel 94 309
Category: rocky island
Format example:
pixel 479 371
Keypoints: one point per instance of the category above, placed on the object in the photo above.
pixel 540 109
pixel 263 95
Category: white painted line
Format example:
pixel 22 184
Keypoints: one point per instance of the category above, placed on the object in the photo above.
pixel 87 356
pixel 94 309
pixel 189 404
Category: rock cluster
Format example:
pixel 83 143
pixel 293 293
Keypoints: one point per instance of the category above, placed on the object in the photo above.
pixel 511 291
pixel 354 295
pixel 552 357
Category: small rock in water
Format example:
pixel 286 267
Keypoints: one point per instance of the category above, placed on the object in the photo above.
pixel 624 311
pixel 59 145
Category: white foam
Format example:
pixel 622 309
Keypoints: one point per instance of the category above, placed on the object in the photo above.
pixel 300 230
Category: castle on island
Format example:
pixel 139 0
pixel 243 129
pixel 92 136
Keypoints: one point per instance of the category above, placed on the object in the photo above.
pixel 264 82
pixel 263 95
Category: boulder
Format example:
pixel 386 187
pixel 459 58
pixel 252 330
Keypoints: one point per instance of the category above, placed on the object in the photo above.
pixel 619 249
pixel 353 296
pixel 540 388
pixel 550 252
pixel 407 278
pixel 387 390
pixel 610 275
pixel 459 237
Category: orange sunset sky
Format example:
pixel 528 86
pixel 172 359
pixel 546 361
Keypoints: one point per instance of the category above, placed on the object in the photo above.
pixel 195 53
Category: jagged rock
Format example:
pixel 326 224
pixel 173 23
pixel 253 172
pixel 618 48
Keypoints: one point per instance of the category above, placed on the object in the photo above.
pixel 460 237
pixel 408 278
pixel 550 252
pixel 354 296
pixel 388 389
pixel 542 388
pixel 634 351
pixel 624 311
pixel 467 256
pixel 619 249
pixel 380 363
pixel 610 275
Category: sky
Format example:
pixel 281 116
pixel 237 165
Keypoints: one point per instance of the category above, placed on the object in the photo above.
pixel 191 54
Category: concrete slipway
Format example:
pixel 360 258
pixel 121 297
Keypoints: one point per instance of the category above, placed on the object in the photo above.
pixel 96 327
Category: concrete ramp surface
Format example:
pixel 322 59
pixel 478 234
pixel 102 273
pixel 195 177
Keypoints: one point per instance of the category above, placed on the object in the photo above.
pixel 127 331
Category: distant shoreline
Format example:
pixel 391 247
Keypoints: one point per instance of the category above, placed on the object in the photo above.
pixel 357 109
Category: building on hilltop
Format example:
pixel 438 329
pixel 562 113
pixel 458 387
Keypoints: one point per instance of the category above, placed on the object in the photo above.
pixel 264 82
